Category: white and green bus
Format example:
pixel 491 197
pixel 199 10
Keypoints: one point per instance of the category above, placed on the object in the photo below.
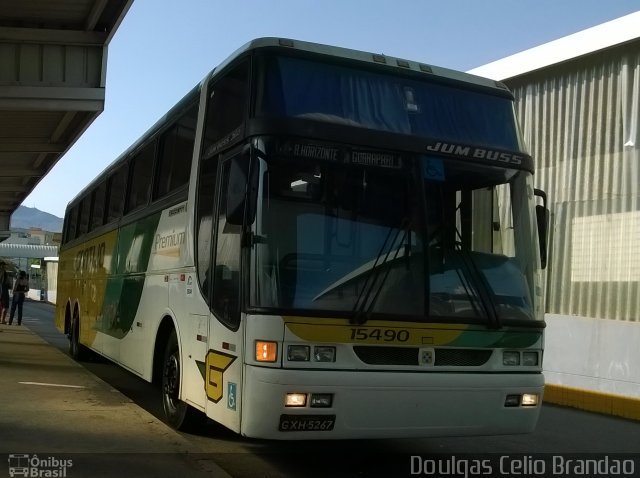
pixel 319 243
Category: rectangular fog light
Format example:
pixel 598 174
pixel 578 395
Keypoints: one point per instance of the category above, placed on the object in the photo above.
pixel 530 358
pixel 296 400
pixel 510 358
pixel 529 399
pixel 512 401
pixel 321 400
pixel 298 353
pixel 324 354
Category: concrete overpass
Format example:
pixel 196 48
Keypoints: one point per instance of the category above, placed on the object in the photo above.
pixel 53 61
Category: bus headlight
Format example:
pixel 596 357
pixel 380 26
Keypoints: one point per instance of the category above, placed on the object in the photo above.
pixel 510 358
pixel 530 358
pixel 524 400
pixel 296 400
pixel 324 354
pixel 298 353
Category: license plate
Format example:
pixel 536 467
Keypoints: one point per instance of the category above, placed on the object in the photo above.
pixel 306 423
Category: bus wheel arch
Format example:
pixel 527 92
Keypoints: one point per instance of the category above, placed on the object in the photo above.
pixel 67 319
pixel 178 414
pixel 162 337
pixel 76 349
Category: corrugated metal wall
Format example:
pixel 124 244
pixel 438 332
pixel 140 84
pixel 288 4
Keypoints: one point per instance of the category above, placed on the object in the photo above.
pixel 580 121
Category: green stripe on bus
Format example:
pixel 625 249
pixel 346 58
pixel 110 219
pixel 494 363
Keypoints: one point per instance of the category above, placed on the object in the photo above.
pixel 496 339
pixel 124 288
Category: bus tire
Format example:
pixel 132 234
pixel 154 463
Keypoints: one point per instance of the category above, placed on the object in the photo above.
pixel 178 414
pixel 76 349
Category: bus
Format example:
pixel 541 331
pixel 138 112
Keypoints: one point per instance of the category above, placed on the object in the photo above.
pixel 319 243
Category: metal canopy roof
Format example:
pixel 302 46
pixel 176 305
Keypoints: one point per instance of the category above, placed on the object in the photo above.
pixel 29 251
pixel 606 35
pixel 53 56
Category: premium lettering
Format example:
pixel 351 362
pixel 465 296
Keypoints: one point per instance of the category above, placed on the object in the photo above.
pixel 175 239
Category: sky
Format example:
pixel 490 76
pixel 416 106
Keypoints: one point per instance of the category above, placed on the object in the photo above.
pixel 163 48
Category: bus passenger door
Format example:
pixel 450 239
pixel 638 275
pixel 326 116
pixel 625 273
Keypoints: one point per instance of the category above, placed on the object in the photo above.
pixel 221 280
pixel 227 99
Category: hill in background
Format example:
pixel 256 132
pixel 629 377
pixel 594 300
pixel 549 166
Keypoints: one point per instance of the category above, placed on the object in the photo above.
pixel 28 217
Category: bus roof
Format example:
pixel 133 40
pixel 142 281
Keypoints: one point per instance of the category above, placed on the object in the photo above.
pixel 362 56
pixel 377 59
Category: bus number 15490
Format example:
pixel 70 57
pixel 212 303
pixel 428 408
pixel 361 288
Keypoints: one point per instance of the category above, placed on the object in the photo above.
pixel 381 335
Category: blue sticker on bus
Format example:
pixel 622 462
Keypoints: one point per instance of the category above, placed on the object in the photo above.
pixel 231 396
pixel 433 169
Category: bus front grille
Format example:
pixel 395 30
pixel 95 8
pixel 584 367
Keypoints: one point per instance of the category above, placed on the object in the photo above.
pixel 444 357
pixel 462 357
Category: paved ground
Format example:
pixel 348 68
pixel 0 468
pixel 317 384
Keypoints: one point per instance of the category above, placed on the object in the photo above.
pixel 121 433
pixel 53 408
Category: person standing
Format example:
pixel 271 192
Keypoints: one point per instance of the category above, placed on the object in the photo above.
pixel 5 285
pixel 20 288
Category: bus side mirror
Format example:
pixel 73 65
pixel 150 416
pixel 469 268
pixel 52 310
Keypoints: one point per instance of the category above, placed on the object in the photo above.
pixel 242 191
pixel 542 218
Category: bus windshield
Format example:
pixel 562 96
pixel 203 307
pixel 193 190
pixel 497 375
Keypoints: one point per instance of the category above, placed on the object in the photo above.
pixel 433 239
pixel 328 92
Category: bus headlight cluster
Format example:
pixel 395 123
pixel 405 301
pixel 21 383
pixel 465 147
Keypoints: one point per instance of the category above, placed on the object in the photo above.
pixel 514 357
pixel 316 400
pixel 302 353
pixel 524 400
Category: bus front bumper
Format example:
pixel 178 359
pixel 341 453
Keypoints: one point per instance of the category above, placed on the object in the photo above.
pixel 377 404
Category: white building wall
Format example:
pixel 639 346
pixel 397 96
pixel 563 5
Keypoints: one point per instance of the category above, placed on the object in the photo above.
pixel 593 354
pixel 580 120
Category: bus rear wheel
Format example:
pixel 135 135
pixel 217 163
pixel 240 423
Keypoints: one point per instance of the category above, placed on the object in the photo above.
pixel 76 349
pixel 177 413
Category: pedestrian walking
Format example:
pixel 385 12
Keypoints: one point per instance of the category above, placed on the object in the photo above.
pixel 20 288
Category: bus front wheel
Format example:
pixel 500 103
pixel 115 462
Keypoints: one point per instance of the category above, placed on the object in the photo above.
pixel 177 413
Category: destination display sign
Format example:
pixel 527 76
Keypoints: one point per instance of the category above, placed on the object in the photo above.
pixel 341 154
pixel 296 149
pixel 377 159
pixel 313 151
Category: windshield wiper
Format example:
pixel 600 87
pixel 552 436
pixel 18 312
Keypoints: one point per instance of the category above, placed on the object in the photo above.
pixel 480 285
pixel 364 305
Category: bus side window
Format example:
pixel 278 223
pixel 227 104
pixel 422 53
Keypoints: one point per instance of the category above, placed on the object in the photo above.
pixel 83 220
pixel 140 177
pixel 226 110
pixel 97 213
pixel 117 184
pixel 72 224
pixel 174 158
